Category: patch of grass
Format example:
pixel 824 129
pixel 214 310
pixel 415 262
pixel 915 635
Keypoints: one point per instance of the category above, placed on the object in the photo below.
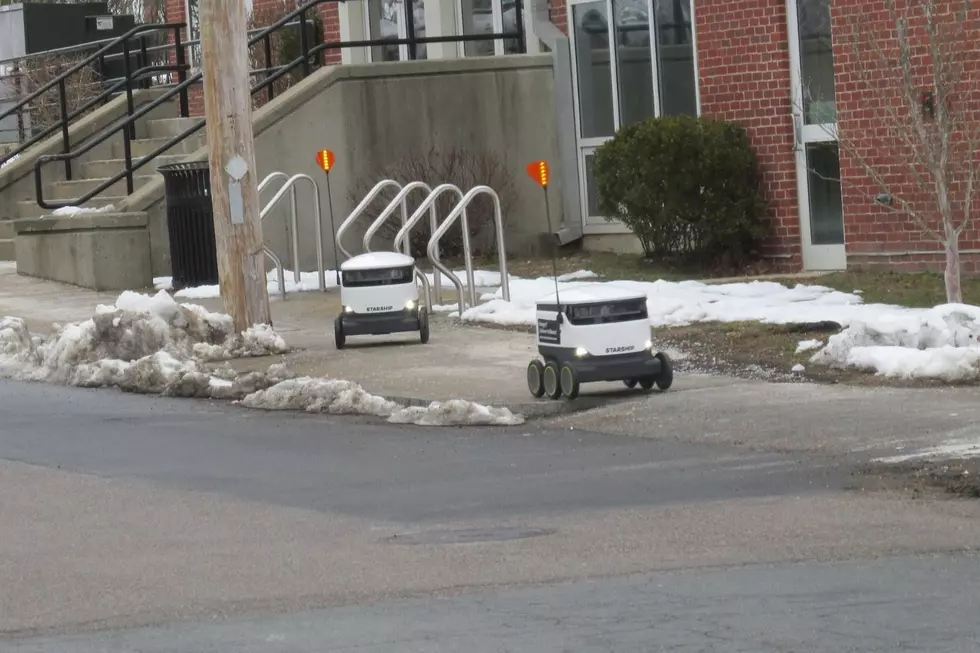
pixel 733 347
pixel 915 289
pixel 608 266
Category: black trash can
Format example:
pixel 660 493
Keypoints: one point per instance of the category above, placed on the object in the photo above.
pixel 190 224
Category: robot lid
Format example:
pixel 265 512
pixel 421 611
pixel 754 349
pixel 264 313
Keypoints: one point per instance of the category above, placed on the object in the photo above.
pixel 376 261
pixel 593 293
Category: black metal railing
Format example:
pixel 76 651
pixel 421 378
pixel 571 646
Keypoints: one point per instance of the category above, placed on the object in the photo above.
pixel 139 78
pixel 308 58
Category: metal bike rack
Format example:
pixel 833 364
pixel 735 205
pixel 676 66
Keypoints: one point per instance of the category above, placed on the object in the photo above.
pixel 429 204
pixel 360 208
pixel 401 200
pixel 448 222
pixel 290 186
pixel 296 276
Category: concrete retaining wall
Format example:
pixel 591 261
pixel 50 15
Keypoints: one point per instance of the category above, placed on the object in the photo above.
pixel 98 251
pixel 372 114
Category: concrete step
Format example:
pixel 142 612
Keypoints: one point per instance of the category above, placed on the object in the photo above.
pixel 6 230
pixel 68 190
pixel 170 127
pixel 30 209
pixel 109 167
pixel 7 250
pixel 144 146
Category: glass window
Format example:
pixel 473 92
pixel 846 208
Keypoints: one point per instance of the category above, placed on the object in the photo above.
pixel 675 50
pixel 826 208
pixel 508 11
pixel 816 61
pixel 387 19
pixel 592 194
pixel 477 19
pixel 634 61
pixel 594 69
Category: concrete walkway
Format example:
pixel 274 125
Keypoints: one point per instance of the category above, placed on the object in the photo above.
pixel 466 362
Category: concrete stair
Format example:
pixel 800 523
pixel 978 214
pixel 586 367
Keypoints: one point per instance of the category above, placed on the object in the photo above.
pixel 90 175
pixel 6 240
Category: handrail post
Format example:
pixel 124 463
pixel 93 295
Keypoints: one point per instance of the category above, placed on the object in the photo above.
pixel 181 61
pixel 468 254
pixel 144 61
pixel 304 44
pixel 269 90
pixel 410 28
pixel 519 18
pixel 127 70
pixel 65 138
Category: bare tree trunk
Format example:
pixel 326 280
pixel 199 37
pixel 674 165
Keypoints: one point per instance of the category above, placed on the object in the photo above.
pixel 954 290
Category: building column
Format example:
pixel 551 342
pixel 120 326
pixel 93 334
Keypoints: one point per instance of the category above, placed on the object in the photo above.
pixel 352 28
pixel 440 20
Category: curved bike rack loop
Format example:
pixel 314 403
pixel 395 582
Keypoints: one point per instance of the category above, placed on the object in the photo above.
pixel 292 222
pixel 429 204
pixel 448 222
pixel 290 186
pixel 401 199
pixel 359 209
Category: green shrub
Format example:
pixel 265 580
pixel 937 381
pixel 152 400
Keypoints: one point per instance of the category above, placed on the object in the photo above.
pixel 688 187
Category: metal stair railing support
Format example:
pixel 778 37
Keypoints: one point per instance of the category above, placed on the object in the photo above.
pixel 460 210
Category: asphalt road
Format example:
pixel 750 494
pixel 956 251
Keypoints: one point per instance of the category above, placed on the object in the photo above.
pixel 140 523
pixel 902 604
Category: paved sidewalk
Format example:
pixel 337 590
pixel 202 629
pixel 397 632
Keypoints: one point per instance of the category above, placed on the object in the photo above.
pixel 467 362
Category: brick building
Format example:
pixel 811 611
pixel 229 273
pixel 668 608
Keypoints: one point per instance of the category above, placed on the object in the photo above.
pixel 781 68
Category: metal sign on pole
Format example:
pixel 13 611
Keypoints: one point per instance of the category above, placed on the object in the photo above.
pixel 325 159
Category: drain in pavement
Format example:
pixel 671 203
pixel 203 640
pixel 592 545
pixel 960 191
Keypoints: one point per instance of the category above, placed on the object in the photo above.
pixel 469 535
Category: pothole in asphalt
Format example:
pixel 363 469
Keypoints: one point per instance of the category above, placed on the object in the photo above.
pixel 469 535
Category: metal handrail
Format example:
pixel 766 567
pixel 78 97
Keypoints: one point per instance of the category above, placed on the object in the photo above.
pixel 317 224
pixel 359 209
pixel 429 204
pixel 451 219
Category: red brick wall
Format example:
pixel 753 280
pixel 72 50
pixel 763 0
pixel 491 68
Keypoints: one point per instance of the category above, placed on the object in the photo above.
pixel 329 13
pixel 876 235
pixel 557 12
pixel 744 77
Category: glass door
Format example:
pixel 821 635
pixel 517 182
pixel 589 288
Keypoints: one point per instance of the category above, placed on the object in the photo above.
pixel 623 75
pixel 815 128
pixel 388 19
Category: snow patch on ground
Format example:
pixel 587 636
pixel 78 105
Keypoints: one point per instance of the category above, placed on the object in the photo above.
pixel 80 210
pixel 939 343
pixel 957 449
pixel 339 397
pixel 807 345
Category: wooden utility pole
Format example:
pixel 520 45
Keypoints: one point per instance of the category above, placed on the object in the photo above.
pixel 231 153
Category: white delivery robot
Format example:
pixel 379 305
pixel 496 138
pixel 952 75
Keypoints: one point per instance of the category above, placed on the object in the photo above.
pixel 596 332
pixel 379 296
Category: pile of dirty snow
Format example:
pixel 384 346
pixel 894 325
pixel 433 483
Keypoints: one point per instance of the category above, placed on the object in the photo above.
pixel 151 344
pixel 142 343
pixel 939 343
pixel 337 397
